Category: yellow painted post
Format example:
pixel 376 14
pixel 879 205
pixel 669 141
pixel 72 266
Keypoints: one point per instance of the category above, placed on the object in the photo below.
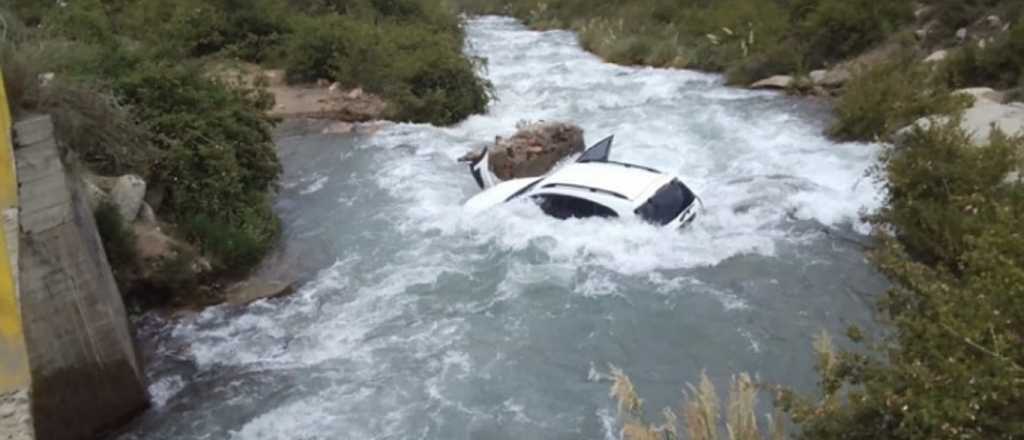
pixel 13 360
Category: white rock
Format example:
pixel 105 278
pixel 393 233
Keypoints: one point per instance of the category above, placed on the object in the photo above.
pixel 979 121
pixel 127 195
pixel 775 82
pixel 335 86
pixel 961 34
pixel 46 78
pixel 986 115
pixel 937 56
pixel 837 77
pixel 980 93
pixel 818 76
pixel 994 21
pixel 356 93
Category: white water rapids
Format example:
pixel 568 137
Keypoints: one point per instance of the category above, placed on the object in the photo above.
pixel 417 321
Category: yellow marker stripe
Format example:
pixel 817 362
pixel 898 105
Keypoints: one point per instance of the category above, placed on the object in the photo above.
pixel 13 360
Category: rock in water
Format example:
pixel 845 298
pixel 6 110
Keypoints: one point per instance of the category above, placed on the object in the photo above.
pixel 127 196
pixel 255 290
pixel 535 149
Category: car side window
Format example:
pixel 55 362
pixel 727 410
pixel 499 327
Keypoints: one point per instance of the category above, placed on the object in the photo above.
pixel 566 207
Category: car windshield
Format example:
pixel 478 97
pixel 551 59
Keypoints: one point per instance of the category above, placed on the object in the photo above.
pixel 667 203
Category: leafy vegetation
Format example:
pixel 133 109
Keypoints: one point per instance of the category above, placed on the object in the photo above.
pixel 889 96
pixel 104 70
pixel 1000 64
pixel 954 366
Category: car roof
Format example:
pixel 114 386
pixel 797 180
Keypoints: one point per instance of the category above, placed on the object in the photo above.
pixel 629 181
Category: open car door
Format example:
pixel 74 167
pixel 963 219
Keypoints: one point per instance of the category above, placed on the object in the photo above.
pixel 599 152
pixel 481 170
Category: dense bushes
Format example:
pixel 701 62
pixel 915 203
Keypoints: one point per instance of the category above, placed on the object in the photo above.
pixel 217 161
pixel 1000 64
pixel 131 94
pixel 422 72
pixel 837 29
pixel 890 96
pixel 954 366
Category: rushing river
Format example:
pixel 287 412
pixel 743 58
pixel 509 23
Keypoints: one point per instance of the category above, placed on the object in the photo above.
pixel 417 321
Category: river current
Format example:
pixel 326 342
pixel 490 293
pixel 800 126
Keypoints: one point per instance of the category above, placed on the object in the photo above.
pixel 415 320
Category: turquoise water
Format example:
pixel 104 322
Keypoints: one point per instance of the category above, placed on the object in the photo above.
pixel 418 321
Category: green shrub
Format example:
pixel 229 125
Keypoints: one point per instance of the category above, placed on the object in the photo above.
pixel 318 43
pixel 1001 64
pixel 888 97
pixel 82 20
pixel 88 119
pixel 219 160
pixel 424 74
pixel 237 245
pixel 940 187
pixel 836 29
pixel 953 366
pixel 251 30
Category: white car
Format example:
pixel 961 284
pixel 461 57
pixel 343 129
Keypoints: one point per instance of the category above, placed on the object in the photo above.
pixel 592 186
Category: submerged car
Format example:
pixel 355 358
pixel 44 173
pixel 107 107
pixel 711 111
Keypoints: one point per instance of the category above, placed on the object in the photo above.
pixel 592 186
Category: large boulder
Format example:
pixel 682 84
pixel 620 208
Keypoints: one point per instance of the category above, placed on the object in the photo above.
pixel 127 195
pixel 250 291
pixel 535 149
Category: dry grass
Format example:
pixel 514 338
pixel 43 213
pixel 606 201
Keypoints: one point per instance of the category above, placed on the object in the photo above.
pixel 741 422
pixel 701 411
pixel 88 119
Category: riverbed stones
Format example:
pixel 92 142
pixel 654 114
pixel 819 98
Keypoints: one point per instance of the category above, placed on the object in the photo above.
pixel 535 149
pixel 127 195
pixel 777 82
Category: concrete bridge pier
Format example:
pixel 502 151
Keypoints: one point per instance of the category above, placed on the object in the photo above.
pixel 68 365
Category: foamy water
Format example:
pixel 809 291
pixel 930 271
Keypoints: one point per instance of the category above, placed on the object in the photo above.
pixel 418 320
